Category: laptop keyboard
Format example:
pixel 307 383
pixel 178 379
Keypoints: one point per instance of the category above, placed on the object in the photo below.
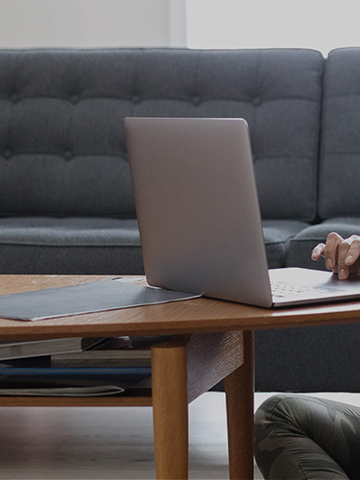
pixel 285 290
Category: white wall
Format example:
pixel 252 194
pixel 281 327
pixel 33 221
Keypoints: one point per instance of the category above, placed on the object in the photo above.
pixel 317 24
pixel 91 23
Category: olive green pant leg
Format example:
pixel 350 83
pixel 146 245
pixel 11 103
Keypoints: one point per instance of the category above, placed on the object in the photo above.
pixel 299 437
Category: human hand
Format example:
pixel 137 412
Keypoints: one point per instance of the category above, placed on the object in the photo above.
pixel 341 255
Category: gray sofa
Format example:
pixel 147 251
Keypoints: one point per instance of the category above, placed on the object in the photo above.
pixel 66 203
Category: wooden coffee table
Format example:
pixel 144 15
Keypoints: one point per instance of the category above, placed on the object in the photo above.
pixel 210 340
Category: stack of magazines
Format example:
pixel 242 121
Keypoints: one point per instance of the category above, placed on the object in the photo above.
pixel 75 366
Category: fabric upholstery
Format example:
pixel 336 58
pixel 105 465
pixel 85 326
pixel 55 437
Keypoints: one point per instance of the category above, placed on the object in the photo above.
pixel 70 245
pixel 339 178
pixel 61 122
pixel 313 359
pixel 277 235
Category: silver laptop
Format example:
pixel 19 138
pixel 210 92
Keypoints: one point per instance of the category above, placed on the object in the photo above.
pixel 199 216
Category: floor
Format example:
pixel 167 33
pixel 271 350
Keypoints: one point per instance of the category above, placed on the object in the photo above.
pixel 110 443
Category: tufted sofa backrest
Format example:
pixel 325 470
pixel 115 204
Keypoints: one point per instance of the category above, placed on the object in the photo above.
pixel 339 178
pixel 62 147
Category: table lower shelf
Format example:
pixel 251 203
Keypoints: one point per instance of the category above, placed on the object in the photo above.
pixel 138 398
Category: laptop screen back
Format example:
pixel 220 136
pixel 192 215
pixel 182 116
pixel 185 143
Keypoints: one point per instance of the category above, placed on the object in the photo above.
pixel 197 207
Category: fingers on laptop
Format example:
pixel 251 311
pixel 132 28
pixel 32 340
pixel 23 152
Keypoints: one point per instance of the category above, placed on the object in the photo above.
pixel 331 252
pixel 318 251
pixel 341 255
pixel 348 256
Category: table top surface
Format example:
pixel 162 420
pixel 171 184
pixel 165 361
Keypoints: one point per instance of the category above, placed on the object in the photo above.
pixel 200 315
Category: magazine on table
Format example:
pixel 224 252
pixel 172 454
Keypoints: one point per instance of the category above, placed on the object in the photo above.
pixel 98 296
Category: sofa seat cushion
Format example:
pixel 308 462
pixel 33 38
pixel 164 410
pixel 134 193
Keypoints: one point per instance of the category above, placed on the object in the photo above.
pixel 92 245
pixel 301 245
pixel 277 234
pixel 69 245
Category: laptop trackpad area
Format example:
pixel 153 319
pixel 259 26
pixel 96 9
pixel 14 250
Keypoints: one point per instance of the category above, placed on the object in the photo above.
pixel 296 286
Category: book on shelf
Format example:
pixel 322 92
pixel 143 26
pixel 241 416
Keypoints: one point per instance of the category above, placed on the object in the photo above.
pixel 83 381
pixel 101 366
pixel 14 349
pixel 112 352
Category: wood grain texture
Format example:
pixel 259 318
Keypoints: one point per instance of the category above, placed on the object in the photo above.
pixel 192 316
pixel 239 388
pixel 170 410
pixel 210 358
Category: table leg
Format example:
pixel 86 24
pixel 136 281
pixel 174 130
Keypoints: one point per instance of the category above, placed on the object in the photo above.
pixel 170 411
pixel 239 388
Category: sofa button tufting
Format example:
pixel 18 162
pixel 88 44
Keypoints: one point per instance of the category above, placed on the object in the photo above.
pixel 7 154
pixel 136 98
pixel 256 101
pixel 74 98
pixel 196 100
pixel 14 97
pixel 68 155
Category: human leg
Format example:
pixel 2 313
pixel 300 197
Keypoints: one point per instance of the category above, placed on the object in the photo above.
pixel 300 437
